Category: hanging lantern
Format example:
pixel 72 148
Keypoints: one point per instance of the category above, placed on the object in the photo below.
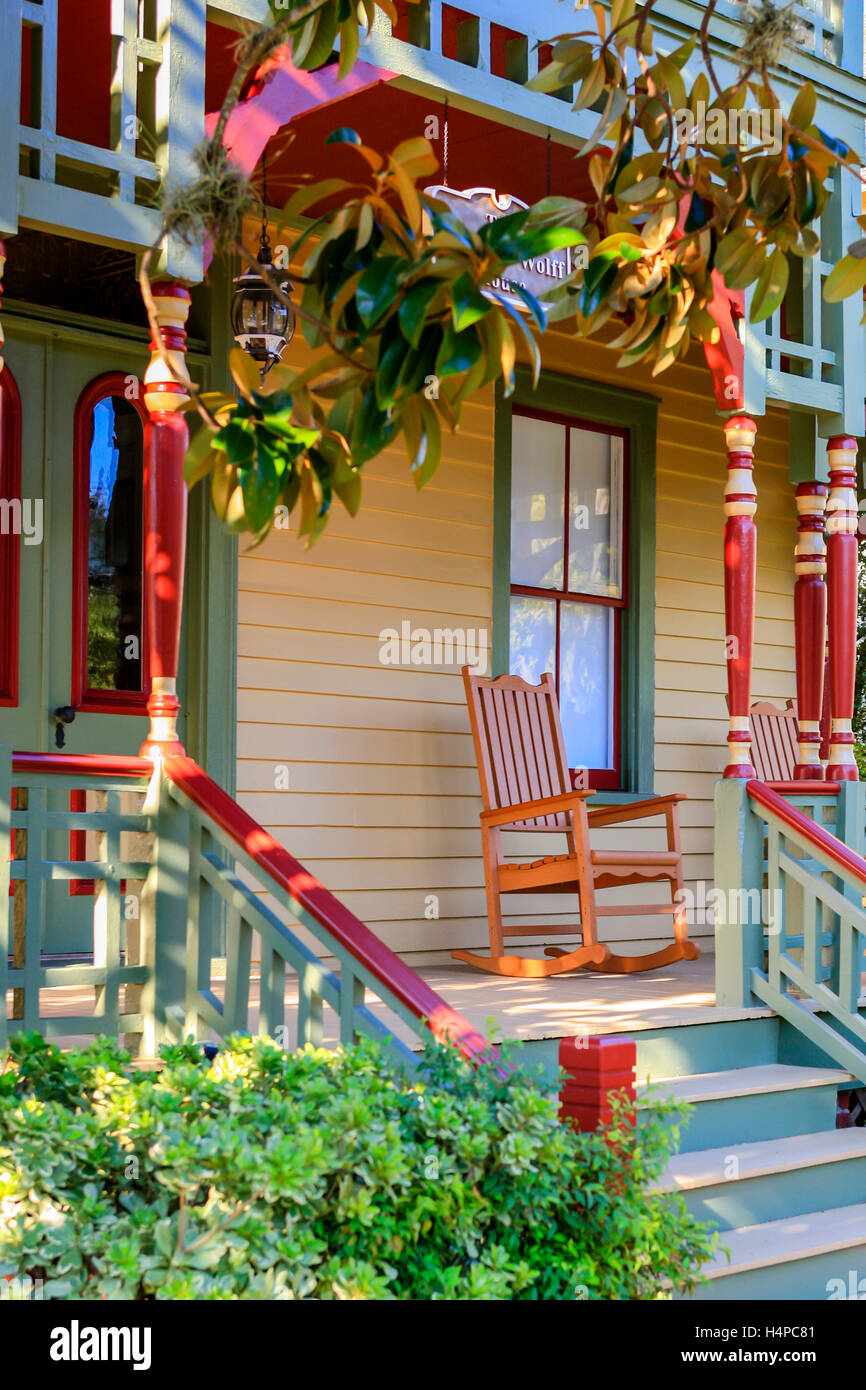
pixel 261 323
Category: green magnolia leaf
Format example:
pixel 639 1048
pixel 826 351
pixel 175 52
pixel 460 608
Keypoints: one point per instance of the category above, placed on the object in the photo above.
pixel 771 287
pixel 458 352
pixel 199 456
pixel 427 459
pixel 468 303
pixel 802 111
pixel 846 278
pixel 377 289
pixel 414 307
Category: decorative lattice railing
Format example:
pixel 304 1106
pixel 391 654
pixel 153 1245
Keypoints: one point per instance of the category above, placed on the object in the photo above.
pixel 202 924
pixel 791 924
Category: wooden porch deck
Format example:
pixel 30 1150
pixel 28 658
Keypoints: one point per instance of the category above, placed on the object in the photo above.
pixel 559 1006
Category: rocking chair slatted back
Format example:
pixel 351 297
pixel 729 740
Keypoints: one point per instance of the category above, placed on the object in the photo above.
pixel 774 741
pixel 518 744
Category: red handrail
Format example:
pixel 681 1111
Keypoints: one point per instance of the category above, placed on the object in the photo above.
pixel 86 764
pixel 400 979
pixel 822 840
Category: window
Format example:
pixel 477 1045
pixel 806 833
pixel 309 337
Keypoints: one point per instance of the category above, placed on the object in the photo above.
pixel 10 533
pixel 567 582
pixel 574 547
pixel 109 660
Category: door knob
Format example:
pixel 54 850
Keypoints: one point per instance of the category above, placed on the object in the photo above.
pixel 64 714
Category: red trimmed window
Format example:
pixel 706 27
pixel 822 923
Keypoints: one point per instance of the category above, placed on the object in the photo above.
pixel 10 534
pixel 568 578
pixel 109 660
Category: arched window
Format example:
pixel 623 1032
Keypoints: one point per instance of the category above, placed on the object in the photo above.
pixel 109 662
pixel 10 534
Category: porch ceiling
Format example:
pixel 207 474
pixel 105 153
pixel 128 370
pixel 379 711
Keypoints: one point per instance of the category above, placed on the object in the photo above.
pixel 480 152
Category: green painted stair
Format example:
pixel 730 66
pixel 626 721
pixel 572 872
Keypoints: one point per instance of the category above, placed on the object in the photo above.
pixel 744 1104
pixel 762 1161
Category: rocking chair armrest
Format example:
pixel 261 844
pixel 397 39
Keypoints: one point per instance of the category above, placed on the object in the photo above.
pixel 634 810
pixel 531 810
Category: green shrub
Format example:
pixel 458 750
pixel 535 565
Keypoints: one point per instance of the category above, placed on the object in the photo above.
pixel 270 1174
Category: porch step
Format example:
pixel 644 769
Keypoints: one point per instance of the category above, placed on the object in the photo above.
pixel 818 1255
pixel 751 1103
pixel 741 1184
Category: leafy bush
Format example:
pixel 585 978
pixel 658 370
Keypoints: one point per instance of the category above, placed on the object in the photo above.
pixel 266 1174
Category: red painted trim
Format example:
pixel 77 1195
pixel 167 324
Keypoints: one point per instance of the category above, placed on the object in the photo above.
pixel 595 1067
pixel 810 627
pixel 79 887
pixel 81 696
pixel 280 92
pixel 726 358
pixel 817 836
pixel 842 559
pixel 82 764
pixel 812 789
pixel 600 778
pixel 10 545
pixel 740 572
pixel 423 1002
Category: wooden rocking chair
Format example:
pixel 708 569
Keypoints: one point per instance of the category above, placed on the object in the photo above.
pixel 775 751
pixel 525 785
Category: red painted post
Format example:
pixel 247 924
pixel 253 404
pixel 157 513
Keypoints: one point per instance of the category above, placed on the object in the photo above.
pixel 740 571
pixel 810 626
pixel 2 268
pixel 842 604
pixel 595 1067
pixel 165 507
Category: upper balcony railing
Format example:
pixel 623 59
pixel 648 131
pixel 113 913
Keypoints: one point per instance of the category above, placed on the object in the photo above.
pixel 100 118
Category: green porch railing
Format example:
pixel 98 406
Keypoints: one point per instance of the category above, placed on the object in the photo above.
pixel 229 933
pixel 38 870
pixel 793 928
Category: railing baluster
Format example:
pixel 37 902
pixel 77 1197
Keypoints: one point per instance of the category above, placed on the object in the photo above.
pixel 5 900
pixel 106 917
pixel 34 907
pixel 19 903
pixel 310 1024
pixel 273 993
pixel 352 994
pixel 239 954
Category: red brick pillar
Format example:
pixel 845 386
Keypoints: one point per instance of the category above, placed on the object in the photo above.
pixel 595 1067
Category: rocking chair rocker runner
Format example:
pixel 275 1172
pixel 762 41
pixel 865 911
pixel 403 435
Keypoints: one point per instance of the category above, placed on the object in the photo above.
pixel 525 786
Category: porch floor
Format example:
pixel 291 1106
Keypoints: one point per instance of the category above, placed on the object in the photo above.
pixel 556 1007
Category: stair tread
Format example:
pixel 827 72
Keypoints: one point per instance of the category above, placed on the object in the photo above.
pixel 744 1081
pixel 708 1167
pixel 792 1238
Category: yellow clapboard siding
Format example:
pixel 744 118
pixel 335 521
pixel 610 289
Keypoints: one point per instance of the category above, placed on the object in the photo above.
pixel 298 579
pixel 383 796
pixel 390 747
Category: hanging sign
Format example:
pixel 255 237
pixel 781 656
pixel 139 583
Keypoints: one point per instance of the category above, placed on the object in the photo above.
pixel 474 207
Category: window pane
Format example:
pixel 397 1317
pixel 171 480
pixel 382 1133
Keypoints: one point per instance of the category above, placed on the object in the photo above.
pixel 595 514
pixel 586 675
pixel 114 586
pixel 533 637
pixel 537 502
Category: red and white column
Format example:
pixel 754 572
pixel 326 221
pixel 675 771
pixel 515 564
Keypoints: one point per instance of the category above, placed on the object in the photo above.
pixel 165 507
pixel 842 604
pixel 740 572
pixel 810 626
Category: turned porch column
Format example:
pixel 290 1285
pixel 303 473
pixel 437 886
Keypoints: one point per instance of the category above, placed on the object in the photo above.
pixel 842 604
pixel 810 626
pixel 740 569
pixel 165 507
